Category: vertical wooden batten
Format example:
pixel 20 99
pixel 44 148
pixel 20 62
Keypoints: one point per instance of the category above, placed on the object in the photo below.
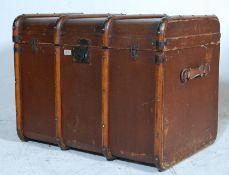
pixel 105 93
pixel 17 70
pixel 57 75
pixel 159 92
pixel 18 92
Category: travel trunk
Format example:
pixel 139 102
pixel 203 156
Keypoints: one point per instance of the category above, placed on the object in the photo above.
pixel 139 87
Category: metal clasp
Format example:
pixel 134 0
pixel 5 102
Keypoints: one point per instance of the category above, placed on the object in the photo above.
pixel 81 53
pixel 34 44
pixel 134 52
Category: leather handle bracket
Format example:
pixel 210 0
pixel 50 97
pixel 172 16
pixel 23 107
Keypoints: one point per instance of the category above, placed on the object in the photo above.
pixel 191 73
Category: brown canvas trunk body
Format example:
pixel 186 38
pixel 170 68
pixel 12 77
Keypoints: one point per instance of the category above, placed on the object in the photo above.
pixel 140 87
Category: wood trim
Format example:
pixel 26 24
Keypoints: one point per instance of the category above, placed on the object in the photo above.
pixel 159 104
pixel 58 106
pixel 105 105
pixel 158 152
pixel 57 76
pixel 105 94
pixel 57 85
pixel 18 93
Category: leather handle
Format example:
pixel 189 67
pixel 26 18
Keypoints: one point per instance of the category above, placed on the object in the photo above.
pixel 191 73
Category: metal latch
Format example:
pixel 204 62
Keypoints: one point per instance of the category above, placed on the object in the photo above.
pixel 134 52
pixel 81 53
pixel 34 44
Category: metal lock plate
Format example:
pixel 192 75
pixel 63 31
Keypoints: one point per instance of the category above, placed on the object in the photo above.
pixel 81 53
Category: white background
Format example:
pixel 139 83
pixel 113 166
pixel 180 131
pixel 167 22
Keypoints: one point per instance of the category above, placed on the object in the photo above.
pixel 34 158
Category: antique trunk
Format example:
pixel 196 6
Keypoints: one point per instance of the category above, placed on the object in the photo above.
pixel 139 87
